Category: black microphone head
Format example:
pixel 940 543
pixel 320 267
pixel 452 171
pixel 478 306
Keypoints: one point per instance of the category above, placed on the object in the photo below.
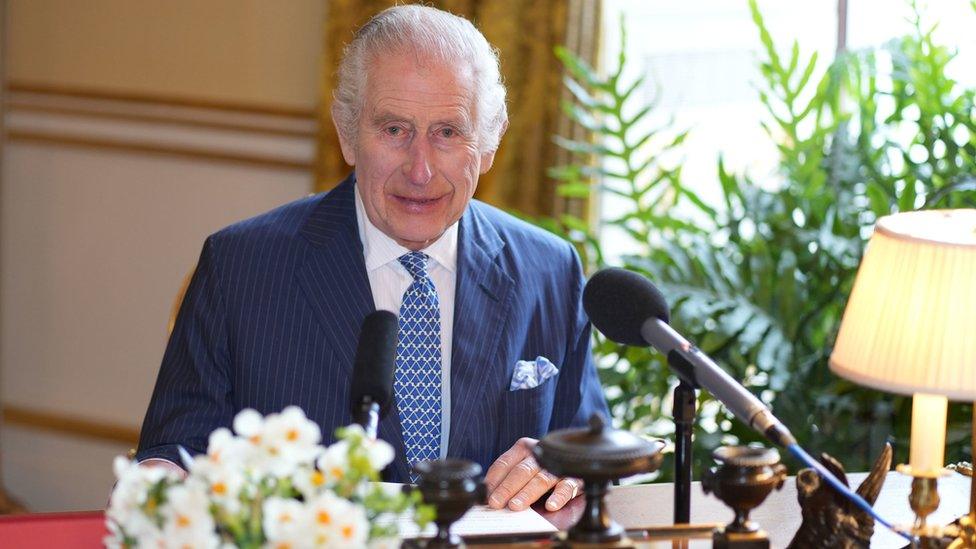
pixel 372 372
pixel 619 301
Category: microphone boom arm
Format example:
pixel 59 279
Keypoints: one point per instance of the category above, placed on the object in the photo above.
pixel 695 368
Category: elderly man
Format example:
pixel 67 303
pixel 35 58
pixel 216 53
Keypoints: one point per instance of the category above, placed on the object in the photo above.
pixel 272 314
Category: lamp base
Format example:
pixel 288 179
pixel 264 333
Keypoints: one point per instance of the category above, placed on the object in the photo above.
pixel 924 500
pixel 723 539
pixel 966 537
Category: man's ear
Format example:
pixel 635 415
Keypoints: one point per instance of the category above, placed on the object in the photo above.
pixel 345 143
pixel 487 158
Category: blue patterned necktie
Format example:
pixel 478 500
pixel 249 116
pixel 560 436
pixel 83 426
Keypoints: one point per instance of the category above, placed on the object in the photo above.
pixel 417 382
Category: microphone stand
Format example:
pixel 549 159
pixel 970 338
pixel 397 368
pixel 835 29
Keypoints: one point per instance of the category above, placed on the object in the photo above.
pixel 685 397
pixel 368 415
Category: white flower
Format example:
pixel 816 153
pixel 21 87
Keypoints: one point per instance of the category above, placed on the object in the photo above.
pixel 282 442
pixel 355 432
pixel 352 526
pixel 337 522
pixel 324 514
pixel 248 423
pixel 222 469
pixel 187 518
pixel 295 434
pixel 226 450
pixel 189 539
pixel 131 492
pixel 308 481
pixel 153 507
pixel 379 452
pixel 334 462
pixel 224 486
pixel 286 523
pixel 149 539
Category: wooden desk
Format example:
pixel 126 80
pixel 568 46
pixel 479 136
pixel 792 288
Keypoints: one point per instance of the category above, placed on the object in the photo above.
pixel 642 506
pixel 634 507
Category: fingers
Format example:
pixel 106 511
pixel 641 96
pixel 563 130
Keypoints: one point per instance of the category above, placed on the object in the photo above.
pixel 535 488
pixel 506 462
pixel 565 490
pixel 516 480
pixel 512 491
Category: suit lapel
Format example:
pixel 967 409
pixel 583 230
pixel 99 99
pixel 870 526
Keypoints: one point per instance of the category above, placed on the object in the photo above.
pixel 334 275
pixel 336 285
pixel 480 310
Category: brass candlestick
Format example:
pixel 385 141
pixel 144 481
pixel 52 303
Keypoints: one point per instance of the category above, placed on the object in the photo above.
pixel 966 536
pixel 924 500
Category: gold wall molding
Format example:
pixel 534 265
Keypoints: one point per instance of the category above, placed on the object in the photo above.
pixel 173 119
pixel 160 99
pixel 47 138
pixel 106 121
pixel 70 424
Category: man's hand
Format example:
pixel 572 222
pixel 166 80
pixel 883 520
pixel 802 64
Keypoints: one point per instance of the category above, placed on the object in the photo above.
pixel 515 480
pixel 165 464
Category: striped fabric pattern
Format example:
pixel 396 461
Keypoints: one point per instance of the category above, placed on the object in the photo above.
pixel 272 316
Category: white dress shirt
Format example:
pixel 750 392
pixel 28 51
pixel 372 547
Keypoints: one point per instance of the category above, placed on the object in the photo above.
pixel 388 280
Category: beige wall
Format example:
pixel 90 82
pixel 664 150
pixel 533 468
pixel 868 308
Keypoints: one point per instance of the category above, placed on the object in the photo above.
pixel 104 204
pixel 260 51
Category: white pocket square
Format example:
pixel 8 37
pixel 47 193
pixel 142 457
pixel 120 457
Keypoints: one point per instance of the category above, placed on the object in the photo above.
pixel 531 373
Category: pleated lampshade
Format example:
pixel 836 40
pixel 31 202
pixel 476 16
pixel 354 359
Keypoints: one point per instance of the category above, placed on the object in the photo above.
pixel 910 324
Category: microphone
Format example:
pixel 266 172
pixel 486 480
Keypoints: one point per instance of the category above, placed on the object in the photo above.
pixel 371 389
pixel 629 309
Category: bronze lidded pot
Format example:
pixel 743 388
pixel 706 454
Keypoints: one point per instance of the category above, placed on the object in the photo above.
pixel 452 487
pixel 598 454
pixel 743 479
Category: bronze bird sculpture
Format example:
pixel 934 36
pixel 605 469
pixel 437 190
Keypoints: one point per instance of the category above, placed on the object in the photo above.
pixel 830 519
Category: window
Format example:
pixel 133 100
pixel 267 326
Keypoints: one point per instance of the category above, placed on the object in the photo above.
pixel 700 58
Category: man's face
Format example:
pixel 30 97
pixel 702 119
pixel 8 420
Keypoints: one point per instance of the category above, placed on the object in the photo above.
pixel 416 157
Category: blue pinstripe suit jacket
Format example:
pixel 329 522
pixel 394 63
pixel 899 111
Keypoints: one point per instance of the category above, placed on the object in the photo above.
pixel 272 315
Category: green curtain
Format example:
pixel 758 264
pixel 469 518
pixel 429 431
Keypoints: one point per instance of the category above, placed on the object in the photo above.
pixel 525 33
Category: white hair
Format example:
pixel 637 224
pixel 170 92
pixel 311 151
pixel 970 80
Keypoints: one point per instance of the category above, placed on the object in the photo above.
pixel 429 33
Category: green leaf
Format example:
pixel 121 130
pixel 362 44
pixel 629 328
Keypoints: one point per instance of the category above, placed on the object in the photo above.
pixel 906 202
pixel 808 72
pixel 623 96
pixel 574 223
pixel 693 197
pixel 579 68
pixel 584 148
pixel 581 95
pixel 573 190
pixel 879 200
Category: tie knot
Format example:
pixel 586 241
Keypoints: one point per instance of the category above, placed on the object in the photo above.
pixel 415 263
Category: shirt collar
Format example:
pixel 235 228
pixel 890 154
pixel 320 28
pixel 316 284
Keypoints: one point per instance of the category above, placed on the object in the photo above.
pixel 379 249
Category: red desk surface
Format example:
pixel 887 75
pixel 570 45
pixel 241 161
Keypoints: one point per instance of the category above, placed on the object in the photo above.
pixel 81 530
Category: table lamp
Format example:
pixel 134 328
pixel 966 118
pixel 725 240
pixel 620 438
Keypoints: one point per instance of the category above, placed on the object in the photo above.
pixel 910 328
